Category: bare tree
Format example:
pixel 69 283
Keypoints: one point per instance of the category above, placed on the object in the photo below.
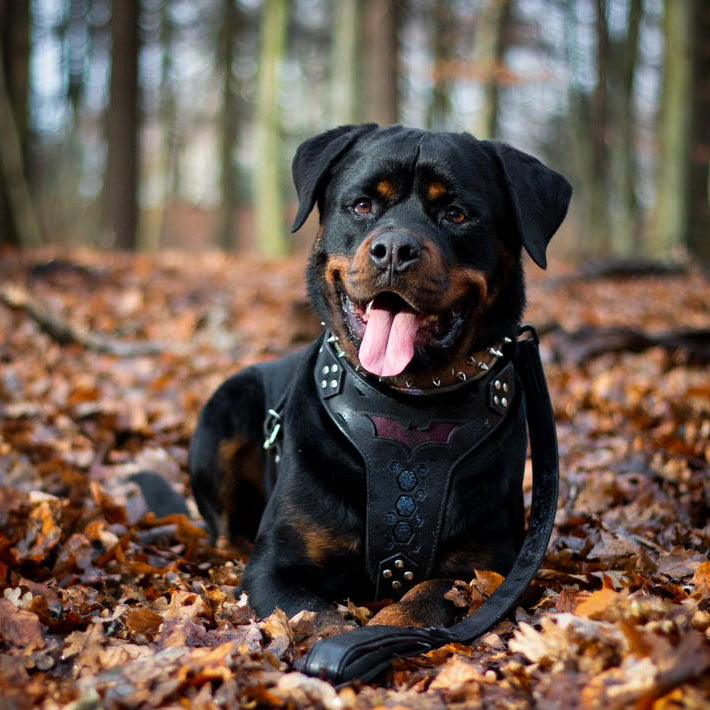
pixel 492 31
pixel 228 127
pixel 345 78
pixel 18 222
pixel 669 219
pixel 630 226
pixel 268 195
pixel 698 202
pixel 121 181
pixel 440 102
pixel 382 61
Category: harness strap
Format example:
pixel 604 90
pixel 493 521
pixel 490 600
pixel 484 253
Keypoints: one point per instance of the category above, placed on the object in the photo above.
pixel 367 651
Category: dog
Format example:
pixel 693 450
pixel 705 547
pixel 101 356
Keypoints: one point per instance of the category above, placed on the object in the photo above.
pixel 416 273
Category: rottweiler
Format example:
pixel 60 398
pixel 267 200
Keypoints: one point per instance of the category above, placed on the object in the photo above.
pixel 416 273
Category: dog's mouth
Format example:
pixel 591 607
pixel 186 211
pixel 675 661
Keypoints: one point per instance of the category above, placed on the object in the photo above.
pixel 389 330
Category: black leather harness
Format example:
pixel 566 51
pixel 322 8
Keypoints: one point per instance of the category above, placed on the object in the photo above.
pixel 410 450
pixel 410 447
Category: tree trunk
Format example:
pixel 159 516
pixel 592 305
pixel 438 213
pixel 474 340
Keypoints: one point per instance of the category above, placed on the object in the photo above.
pixel 598 221
pixel 347 38
pixel 121 181
pixel 669 222
pixel 630 227
pixel 18 221
pixel 382 61
pixel 698 219
pixel 228 129
pixel 439 102
pixel 491 42
pixel 268 196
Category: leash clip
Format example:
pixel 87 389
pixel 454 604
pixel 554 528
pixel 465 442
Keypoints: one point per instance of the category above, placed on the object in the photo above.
pixel 272 430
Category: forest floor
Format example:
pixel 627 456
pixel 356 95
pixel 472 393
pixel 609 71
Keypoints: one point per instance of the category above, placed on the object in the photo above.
pixel 105 361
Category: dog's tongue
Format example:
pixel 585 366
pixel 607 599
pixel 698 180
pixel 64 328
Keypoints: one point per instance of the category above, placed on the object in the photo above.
pixel 388 344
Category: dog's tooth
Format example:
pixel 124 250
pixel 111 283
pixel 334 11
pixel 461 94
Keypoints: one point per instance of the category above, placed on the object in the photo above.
pixel 436 382
pixel 368 307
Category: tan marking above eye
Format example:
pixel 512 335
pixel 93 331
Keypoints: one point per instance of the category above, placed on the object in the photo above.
pixel 436 190
pixel 385 189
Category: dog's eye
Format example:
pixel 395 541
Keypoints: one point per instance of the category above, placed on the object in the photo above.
pixel 455 215
pixel 363 207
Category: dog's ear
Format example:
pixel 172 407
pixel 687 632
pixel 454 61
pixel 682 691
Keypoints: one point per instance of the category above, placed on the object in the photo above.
pixel 313 161
pixel 540 198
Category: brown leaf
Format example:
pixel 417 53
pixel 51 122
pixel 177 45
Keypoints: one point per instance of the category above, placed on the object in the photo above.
pixel 42 533
pixel 701 578
pixel 20 628
pixel 143 622
pixel 604 605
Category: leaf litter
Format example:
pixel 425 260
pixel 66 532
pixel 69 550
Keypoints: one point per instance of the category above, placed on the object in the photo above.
pixel 105 605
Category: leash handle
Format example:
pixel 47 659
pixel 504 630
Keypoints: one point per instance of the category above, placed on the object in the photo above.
pixel 369 650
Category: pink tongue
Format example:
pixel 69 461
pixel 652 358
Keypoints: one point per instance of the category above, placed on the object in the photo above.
pixel 388 344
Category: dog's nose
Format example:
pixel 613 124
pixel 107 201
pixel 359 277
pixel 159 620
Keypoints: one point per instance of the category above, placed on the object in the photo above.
pixel 394 249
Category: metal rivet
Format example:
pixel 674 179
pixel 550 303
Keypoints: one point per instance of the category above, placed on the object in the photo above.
pixel 386 573
pixel 398 564
pixel 326 370
pixel 396 584
pixel 505 387
pixel 334 383
pixel 334 368
pixel 496 384
pixel 496 399
pixel 504 402
pixel 409 576
pixel 323 384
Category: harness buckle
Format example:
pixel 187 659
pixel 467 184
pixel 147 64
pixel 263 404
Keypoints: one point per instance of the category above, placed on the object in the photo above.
pixel 272 430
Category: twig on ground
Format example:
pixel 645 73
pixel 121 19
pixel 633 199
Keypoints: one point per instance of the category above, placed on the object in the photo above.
pixel 65 333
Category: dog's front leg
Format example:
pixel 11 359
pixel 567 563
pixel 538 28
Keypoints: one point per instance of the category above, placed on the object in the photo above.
pixel 422 606
pixel 271 586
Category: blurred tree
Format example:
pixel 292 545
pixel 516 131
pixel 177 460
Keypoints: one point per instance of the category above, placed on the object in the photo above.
pixel 628 235
pixel 18 222
pixel 492 31
pixel 121 178
pixel 598 187
pixel 382 61
pixel 440 101
pixel 347 39
pixel 271 235
pixel 170 145
pixel 670 214
pixel 229 125
pixel 698 202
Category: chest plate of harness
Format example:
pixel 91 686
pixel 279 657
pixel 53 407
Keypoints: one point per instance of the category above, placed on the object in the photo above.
pixel 410 445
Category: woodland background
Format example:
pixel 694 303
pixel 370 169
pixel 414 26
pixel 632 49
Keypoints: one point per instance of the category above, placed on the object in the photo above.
pixel 142 124
pixel 144 204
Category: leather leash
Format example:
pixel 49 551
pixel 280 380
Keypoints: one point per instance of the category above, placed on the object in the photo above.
pixel 367 651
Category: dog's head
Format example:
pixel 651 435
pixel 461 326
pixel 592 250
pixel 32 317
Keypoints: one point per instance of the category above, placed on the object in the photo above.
pixel 418 259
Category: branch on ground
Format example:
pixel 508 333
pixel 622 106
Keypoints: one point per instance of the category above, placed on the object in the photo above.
pixel 66 333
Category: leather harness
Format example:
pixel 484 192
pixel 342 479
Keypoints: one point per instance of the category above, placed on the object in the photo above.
pixel 410 447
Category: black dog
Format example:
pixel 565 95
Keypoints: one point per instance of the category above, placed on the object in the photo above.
pixel 416 273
